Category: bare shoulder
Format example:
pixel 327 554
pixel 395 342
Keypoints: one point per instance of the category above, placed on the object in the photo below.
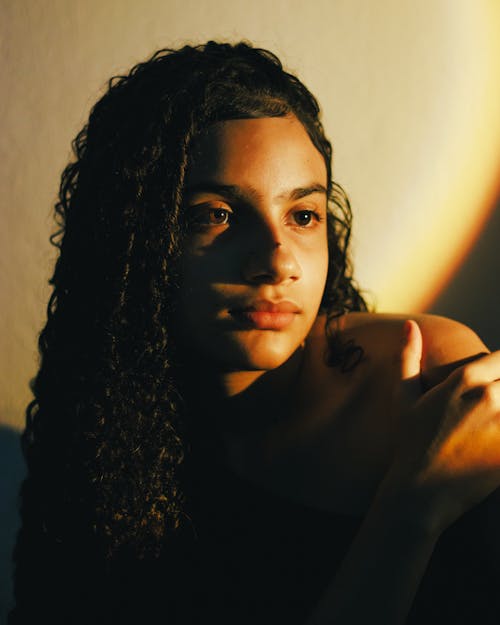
pixel 446 343
pixel 345 424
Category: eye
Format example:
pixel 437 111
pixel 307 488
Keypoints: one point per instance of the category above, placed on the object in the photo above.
pixel 203 216
pixel 304 218
pixel 217 216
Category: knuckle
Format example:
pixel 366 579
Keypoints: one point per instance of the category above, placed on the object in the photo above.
pixel 491 398
pixel 488 396
pixel 464 377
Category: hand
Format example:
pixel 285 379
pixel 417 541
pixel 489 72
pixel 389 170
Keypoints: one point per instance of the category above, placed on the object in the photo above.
pixel 448 458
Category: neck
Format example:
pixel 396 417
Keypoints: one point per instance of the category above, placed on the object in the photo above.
pixel 233 384
pixel 243 400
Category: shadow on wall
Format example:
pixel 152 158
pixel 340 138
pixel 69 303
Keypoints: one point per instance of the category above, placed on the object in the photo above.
pixel 473 295
pixel 12 472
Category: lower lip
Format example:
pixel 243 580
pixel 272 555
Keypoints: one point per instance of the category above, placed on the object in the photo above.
pixel 264 320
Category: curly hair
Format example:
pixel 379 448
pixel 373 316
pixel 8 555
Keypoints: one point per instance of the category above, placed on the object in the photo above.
pixel 105 439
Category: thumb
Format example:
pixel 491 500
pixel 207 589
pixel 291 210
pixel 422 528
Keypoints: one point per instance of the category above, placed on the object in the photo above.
pixel 411 354
pixel 410 364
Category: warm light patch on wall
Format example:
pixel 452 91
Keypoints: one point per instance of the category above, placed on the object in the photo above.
pixel 457 205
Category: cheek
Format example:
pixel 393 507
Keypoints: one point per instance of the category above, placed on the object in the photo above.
pixel 316 269
pixel 208 261
pixel 205 279
pixel 193 295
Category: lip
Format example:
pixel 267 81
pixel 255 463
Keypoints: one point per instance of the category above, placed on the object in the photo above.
pixel 267 306
pixel 265 314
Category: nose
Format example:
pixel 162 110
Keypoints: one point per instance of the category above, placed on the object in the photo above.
pixel 270 262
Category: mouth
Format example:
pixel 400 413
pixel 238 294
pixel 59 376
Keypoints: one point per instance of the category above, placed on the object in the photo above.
pixel 266 315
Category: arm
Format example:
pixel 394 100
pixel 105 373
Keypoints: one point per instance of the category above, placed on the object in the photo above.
pixel 448 460
pixel 379 578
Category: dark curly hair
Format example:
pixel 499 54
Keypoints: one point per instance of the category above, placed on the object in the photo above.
pixel 105 439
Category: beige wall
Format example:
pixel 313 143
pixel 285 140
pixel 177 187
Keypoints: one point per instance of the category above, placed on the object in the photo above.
pixel 409 95
pixel 410 92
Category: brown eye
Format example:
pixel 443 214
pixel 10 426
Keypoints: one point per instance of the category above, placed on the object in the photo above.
pixel 305 217
pixel 206 216
pixel 218 216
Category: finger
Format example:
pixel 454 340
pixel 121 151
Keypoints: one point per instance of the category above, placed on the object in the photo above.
pixel 487 393
pixel 410 388
pixel 411 354
pixel 484 370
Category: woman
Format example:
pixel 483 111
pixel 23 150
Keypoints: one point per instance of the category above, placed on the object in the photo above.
pixel 221 432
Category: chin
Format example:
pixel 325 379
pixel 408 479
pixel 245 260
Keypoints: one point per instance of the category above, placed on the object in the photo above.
pixel 267 362
pixel 263 351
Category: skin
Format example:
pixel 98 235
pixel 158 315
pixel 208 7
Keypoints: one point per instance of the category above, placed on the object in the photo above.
pixel 446 460
pixel 288 421
pixel 408 440
pixel 256 200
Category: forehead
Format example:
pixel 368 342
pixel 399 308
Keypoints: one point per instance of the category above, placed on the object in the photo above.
pixel 266 151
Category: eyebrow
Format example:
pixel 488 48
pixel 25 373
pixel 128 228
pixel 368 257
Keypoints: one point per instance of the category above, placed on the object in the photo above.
pixel 235 192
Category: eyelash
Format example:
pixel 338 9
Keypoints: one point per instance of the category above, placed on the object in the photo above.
pixel 199 217
pixel 314 215
pixel 200 214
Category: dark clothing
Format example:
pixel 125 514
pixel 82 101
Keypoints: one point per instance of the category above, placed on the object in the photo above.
pixel 261 559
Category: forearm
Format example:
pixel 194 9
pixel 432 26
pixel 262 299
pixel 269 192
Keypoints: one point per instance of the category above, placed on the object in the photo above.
pixel 380 575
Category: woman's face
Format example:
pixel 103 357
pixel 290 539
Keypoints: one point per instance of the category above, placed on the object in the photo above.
pixel 255 264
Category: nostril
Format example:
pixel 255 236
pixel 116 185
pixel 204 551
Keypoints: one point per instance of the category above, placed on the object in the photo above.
pixel 274 265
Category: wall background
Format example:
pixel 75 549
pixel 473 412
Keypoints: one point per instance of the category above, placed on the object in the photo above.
pixel 411 98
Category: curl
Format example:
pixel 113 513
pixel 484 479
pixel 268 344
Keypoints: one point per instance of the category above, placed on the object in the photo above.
pixel 105 439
